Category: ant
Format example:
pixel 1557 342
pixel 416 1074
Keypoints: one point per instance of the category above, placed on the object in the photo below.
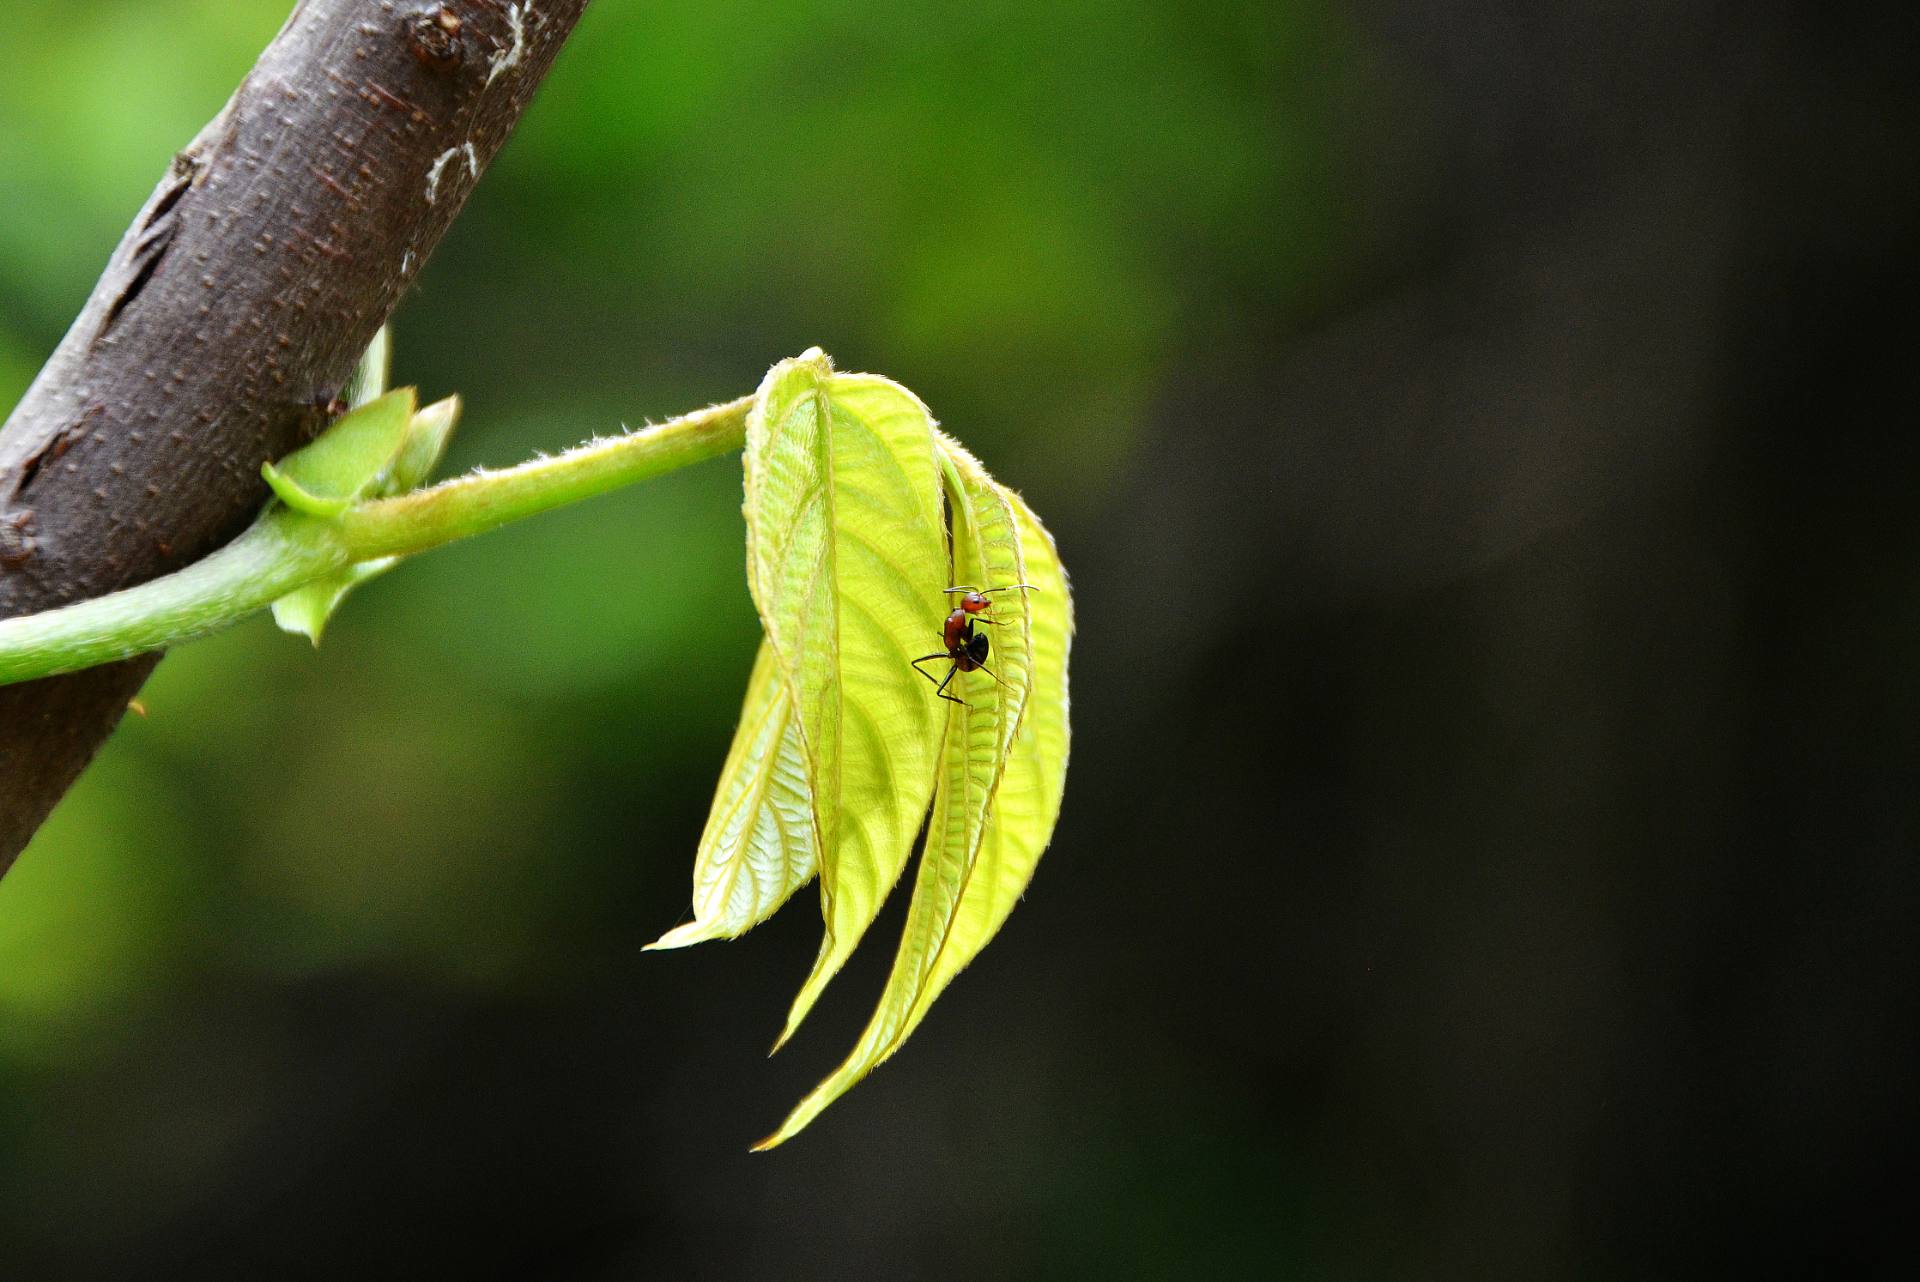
pixel 966 648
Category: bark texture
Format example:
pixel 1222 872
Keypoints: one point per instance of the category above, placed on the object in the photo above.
pixel 232 311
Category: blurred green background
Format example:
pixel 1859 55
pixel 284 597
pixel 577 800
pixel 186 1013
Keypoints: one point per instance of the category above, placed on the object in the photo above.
pixel 1472 697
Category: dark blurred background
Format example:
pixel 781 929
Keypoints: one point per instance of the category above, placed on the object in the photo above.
pixel 1482 440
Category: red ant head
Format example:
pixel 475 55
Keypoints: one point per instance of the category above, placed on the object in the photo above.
pixel 973 603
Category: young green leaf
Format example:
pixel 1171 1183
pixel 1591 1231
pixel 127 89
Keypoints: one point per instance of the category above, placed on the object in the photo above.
pixel 987 555
pixel 980 735
pixel 1027 803
pixel 845 561
pixel 347 460
pixel 420 450
pixel 758 845
pixel 306 610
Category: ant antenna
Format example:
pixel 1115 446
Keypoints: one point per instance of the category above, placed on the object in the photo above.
pixel 990 591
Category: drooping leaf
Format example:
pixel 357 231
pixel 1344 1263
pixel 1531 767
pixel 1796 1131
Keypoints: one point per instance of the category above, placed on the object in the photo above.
pixel 979 735
pixel 845 560
pixel 347 460
pixel 1027 804
pixel 758 845
pixel 987 554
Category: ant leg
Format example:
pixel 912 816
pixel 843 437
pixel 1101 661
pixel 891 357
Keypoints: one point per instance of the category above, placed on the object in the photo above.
pixel 942 691
pixel 990 672
pixel 924 658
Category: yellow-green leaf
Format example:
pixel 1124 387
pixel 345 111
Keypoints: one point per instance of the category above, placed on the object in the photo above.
pixel 1027 804
pixel 758 845
pixel 987 556
pixel 988 538
pixel 845 560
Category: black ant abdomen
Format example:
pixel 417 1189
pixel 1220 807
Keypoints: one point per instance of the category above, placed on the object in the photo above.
pixel 976 653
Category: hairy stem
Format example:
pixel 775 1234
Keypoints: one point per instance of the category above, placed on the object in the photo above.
pixel 285 550
pixel 483 501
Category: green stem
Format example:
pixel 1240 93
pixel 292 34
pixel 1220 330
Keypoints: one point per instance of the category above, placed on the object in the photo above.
pixel 285 550
pixel 277 554
pixel 486 500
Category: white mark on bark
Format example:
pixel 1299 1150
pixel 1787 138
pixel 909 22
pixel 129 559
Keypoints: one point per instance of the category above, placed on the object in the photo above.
pixel 509 58
pixel 433 174
pixel 440 163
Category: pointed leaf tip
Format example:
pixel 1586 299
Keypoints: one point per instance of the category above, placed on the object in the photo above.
pixel 692 932
pixel 757 848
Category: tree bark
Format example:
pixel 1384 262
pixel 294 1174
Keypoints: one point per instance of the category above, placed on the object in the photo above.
pixel 233 310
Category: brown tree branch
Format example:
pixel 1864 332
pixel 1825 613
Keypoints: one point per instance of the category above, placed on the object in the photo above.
pixel 233 310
